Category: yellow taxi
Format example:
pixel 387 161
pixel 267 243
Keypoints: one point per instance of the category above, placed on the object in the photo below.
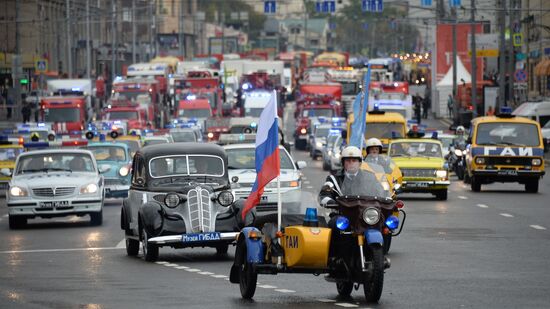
pixel 9 150
pixel 422 164
pixel 382 125
pixel 504 148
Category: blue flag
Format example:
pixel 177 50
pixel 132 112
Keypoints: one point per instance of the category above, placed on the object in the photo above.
pixel 360 108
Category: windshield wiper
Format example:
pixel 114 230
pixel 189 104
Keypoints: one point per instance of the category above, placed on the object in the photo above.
pixel 59 169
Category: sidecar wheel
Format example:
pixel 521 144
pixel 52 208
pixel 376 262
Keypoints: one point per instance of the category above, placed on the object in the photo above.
pixel 387 243
pixel 247 277
pixel 344 288
pixel 373 285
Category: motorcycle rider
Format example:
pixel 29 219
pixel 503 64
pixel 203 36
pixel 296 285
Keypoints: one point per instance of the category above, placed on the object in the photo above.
pixel 374 149
pixel 460 136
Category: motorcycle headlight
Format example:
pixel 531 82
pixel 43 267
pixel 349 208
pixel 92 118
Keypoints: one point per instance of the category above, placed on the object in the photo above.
pixel 225 198
pixel 441 174
pixel 123 171
pixel 18 191
pixel 458 152
pixel 480 160
pixel 172 200
pixel 371 216
pixel 89 188
pixel 536 162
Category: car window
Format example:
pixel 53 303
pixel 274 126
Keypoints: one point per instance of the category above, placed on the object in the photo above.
pixel 138 171
pixel 108 153
pixel 203 165
pixel 245 158
pixel 172 166
pixel 51 162
pixel 9 154
pixel 150 142
pixel 184 136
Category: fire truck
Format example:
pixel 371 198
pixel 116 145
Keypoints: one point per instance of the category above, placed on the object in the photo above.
pixel 350 79
pixel 67 114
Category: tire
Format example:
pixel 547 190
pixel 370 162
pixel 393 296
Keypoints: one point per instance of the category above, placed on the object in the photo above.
pixel 17 222
pixel 222 249
pixel 387 243
pixel 96 218
pixel 247 277
pixel 132 247
pixel 372 287
pixel 344 288
pixel 441 195
pixel 467 179
pixel 474 184
pixel 532 186
pixel 459 173
pixel 150 251
pixel 326 166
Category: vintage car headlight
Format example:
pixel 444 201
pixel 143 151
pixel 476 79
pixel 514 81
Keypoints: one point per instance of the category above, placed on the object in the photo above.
pixel 225 198
pixel 441 174
pixel 172 200
pixel 458 152
pixel 371 215
pixel 89 188
pixel 480 160
pixel 123 171
pixel 536 162
pixel 18 191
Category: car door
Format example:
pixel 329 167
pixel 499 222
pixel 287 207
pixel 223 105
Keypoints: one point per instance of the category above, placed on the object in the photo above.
pixel 137 191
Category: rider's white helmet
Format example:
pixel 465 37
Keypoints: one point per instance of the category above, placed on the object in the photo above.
pixel 374 142
pixel 351 152
pixel 460 129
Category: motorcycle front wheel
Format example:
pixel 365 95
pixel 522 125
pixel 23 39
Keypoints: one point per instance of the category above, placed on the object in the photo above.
pixel 373 284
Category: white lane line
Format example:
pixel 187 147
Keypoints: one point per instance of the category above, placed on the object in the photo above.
pixel 181 267
pixel 219 276
pixel 462 197
pixel 537 227
pixel 192 270
pixel 309 187
pixel 205 273
pixel 347 305
pixel 171 265
pixel 5 216
pixel 265 286
pixel 307 182
pixel 507 215
pixel 482 206
pixel 285 291
pixel 121 244
pixel 161 262
pixel 326 300
pixel 59 250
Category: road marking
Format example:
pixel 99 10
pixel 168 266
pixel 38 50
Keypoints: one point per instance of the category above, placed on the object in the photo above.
pixel 462 197
pixel 219 276
pixel 326 300
pixel 59 250
pixel 537 227
pixel 181 267
pixel 265 286
pixel 170 265
pixel 121 244
pixel 192 270
pixel 285 291
pixel 205 273
pixel 507 215
pixel 482 206
pixel 309 187
pixel 161 262
pixel 347 305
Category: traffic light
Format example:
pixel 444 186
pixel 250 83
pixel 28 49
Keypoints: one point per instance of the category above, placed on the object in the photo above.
pixel 24 81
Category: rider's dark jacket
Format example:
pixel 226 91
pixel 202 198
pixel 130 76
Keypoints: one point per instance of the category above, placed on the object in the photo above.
pixel 337 179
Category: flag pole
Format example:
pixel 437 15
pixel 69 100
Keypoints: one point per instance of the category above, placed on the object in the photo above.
pixel 279 202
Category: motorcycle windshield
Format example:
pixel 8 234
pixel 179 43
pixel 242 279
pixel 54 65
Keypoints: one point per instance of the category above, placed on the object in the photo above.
pixel 382 160
pixel 366 183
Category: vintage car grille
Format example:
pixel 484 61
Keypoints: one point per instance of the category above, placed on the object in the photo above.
pixel 200 210
pixel 113 182
pixel 53 192
pixel 508 161
pixel 417 172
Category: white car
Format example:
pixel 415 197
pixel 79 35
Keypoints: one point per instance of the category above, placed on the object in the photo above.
pixel 55 183
pixel 157 139
pixel 242 163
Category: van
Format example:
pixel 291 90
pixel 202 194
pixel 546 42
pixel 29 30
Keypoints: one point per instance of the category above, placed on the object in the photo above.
pixel 382 125
pixel 537 111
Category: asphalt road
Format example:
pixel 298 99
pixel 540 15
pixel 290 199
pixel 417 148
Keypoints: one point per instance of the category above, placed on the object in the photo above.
pixel 476 250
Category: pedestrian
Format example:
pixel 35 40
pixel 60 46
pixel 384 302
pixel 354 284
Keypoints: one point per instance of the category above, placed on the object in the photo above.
pixel 9 104
pixel 450 105
pixel 425 106
pixel 490 111
pixel 26 112
pixel 417 101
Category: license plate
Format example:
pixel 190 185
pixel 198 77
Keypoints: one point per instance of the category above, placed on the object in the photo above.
pixel 418 185
pixel 53 204
pixel 200 237
pixel 508 172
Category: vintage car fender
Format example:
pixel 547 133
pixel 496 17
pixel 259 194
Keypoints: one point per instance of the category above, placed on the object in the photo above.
pixel 374 237
pixel 254 247
pixel 152 216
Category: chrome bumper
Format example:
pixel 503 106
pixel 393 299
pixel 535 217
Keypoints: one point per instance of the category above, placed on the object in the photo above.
pixel 165 240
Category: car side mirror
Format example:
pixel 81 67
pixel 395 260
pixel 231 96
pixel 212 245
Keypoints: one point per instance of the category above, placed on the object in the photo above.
pixel 103 168
pixel 301 164
pixel 5 171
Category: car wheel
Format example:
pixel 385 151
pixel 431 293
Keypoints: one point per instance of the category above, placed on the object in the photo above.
pixel 532 186
pixel 17 222
pixel 326 167
pixel 150 251
pixel 222 249
pixel 475 184
pixel 132 247
pixel 96 218
pixel 344 288
pixel 441 195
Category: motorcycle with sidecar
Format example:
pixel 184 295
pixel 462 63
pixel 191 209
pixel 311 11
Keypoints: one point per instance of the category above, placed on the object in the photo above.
pixel 349 251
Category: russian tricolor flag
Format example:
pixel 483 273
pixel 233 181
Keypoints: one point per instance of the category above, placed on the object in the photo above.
pixel 268 164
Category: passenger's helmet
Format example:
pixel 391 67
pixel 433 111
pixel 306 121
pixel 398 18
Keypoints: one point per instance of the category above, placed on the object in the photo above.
pixel 460 130
pixel 373 142
pixel 351 152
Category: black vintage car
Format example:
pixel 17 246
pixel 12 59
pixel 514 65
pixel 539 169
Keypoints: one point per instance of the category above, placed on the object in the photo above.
pixel 180 196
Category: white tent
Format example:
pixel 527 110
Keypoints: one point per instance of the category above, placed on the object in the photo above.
pixel 445 86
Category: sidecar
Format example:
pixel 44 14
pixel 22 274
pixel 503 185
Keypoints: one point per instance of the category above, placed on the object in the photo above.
pixel 180 196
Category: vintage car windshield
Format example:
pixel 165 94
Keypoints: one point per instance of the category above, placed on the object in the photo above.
pixel 108 153
pixel 365 183
pixel 245 158
pixel 507 133
pixel 10 154
pixel 384 130
pixel 184 136
pixel 183 166
pixel 415 149
pixel 51 162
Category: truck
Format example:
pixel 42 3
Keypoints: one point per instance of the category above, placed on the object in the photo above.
pixel 350 79
pixel 156 71
pixel 391 97
pixel 67 114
